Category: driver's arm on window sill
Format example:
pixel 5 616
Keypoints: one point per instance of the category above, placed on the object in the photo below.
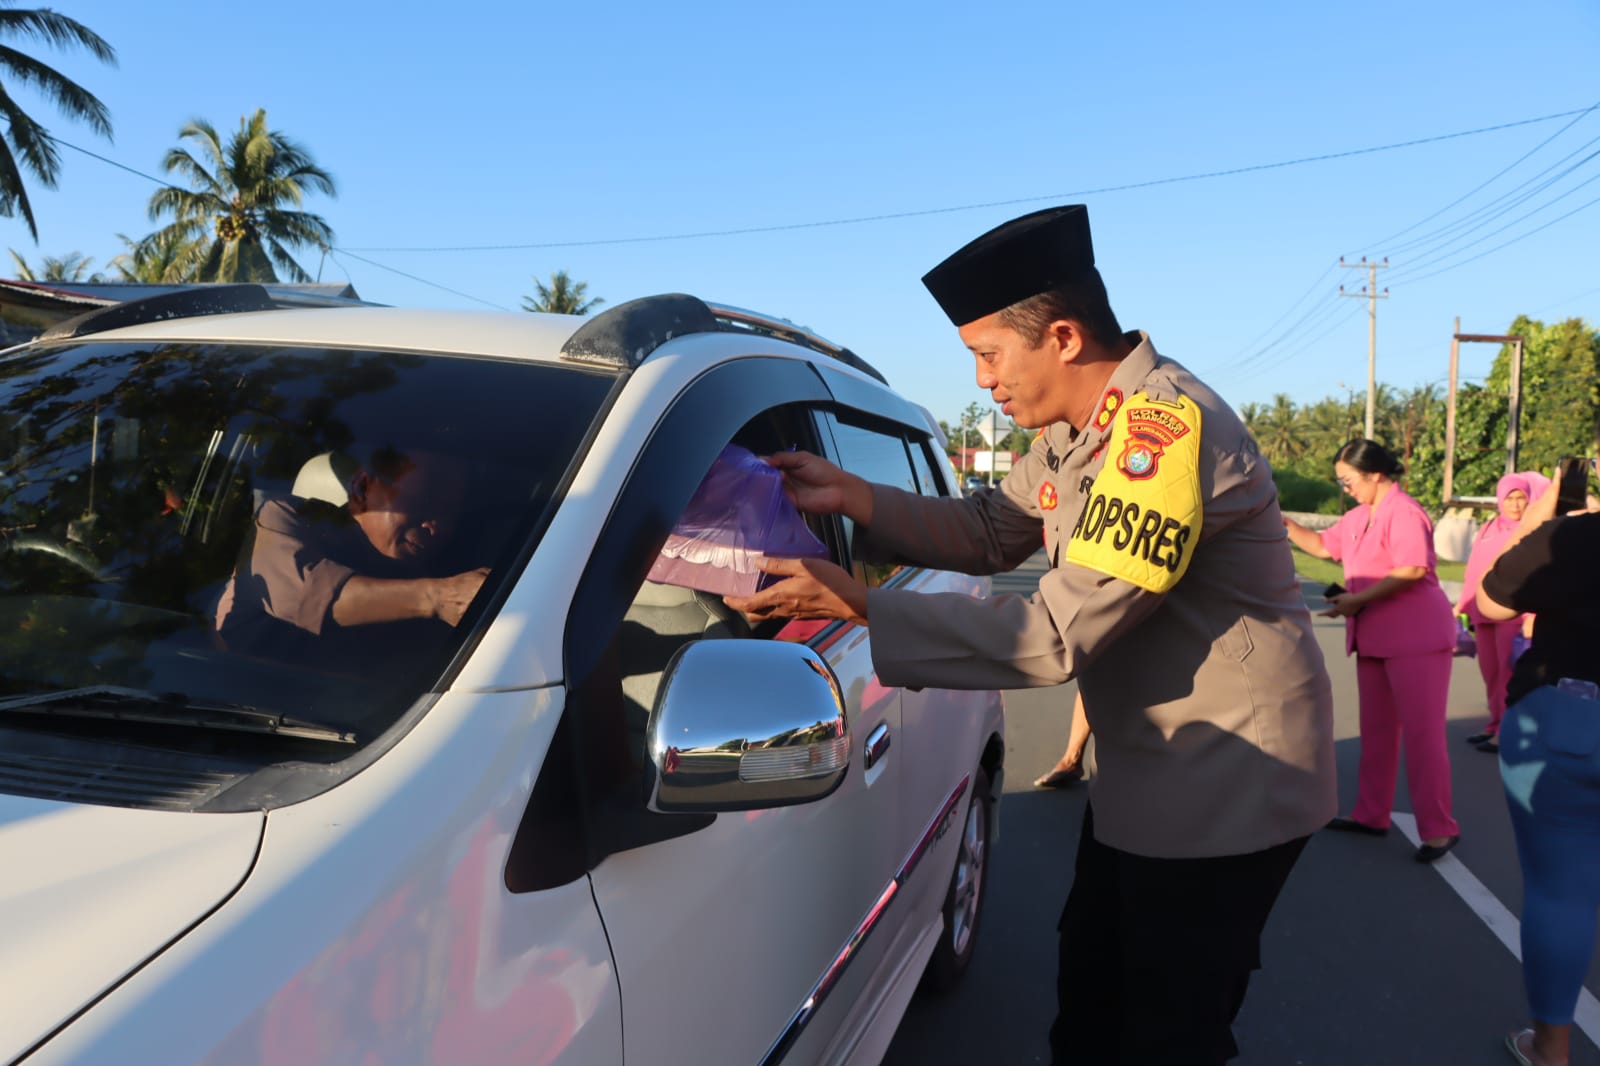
pixel 367 600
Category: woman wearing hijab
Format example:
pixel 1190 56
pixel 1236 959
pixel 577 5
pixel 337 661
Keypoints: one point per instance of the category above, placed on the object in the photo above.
pixel 1494 638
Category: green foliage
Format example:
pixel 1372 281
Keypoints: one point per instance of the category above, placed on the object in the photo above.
pixel 1322 572
pixel 26 145
pixel 1297 492
pixel 239 220
pixel 161 258
pixel 562 296
pixel 1560 401
pixel 71 267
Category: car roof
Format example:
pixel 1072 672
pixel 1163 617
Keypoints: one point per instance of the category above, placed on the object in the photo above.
pixel 618 339
pixel 504 334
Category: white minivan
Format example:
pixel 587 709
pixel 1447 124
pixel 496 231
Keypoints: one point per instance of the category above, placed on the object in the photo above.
pixel 306 759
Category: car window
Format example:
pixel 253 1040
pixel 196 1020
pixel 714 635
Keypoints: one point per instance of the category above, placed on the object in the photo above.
pixel 180 519
pixel 922 453
pixel 668 613
pixel 878 453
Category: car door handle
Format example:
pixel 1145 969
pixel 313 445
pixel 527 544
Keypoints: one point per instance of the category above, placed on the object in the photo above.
pixel 877 745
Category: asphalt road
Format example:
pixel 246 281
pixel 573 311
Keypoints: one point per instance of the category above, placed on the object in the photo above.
pixel 1370 959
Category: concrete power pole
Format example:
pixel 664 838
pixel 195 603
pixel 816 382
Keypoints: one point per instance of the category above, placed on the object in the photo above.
pixel 1370 291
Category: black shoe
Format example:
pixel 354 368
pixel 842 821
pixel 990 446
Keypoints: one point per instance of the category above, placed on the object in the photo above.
pixel 1350 825
pixel 1430 852
pixel 1491 745
pixel 1478 738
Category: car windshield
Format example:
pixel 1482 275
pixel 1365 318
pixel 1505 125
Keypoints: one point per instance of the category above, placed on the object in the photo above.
pixel 191 526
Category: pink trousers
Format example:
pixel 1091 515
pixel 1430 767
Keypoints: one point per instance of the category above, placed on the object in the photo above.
pixel 1405 697
pixel 1494 662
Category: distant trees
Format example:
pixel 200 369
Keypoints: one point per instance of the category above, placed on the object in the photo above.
pixel 239 219
pixel 26 145
pixel 562 296
pixel 160 259
pixel 1560 402
pixel 74 266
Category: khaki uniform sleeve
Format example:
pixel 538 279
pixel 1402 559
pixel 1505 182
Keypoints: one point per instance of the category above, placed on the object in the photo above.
pixel 1134 541
pixel 986 533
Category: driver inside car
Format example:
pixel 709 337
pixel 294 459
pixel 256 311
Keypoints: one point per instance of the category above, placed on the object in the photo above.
pixel 316 573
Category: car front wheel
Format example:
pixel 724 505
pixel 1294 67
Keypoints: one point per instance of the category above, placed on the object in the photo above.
pixel 963 901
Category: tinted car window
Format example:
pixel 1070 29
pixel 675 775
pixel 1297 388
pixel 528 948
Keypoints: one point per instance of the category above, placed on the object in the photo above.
pixel 921 456
pixel 136 482
pixel 879 454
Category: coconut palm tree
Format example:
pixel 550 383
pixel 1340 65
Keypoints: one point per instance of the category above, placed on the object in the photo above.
pixel 562 296
pixel 70 267
pixel 242 207
pixel 25 141
pixel 160 259
pixel 1277 430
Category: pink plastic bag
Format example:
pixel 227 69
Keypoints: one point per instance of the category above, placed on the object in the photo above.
pixel 737 517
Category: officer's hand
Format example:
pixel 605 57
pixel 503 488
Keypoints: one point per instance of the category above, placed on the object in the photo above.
pixel 816 486
pixel 812 588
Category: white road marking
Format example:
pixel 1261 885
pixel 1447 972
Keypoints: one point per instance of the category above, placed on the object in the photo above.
pixel 1501 922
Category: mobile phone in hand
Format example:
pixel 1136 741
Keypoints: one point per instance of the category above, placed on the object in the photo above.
pixel 1333 590
pixel 1573 477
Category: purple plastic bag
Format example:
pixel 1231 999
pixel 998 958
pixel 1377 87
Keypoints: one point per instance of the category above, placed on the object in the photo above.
pixel 737 517
pixel 1466 643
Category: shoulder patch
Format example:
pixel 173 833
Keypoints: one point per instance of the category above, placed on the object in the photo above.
pixel 1142 518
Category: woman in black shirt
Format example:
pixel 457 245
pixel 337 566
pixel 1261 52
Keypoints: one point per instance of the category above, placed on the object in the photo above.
pixel 1550 760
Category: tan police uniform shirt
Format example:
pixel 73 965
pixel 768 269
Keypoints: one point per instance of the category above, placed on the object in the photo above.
pixel 1174 603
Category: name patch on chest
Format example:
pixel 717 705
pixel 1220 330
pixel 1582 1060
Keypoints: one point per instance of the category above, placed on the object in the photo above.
pixel 1143 515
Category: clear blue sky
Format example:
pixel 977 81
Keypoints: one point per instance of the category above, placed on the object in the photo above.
pixel 537 123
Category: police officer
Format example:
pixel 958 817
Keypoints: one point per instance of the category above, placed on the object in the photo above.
pixel 1171 598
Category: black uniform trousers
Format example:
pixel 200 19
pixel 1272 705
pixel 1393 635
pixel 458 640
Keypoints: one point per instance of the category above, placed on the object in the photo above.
pixel 1156 953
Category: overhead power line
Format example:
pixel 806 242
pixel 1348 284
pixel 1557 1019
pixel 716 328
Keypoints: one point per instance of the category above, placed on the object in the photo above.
pixel 1495 209
pixel 337 252
pixel 1505 244
pixel 895 215
pixel 334 252
pixel 1581 115
pixel 1411 270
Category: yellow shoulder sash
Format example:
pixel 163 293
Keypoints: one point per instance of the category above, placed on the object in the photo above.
pixel 1142 518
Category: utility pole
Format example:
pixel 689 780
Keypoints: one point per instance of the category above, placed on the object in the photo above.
pixel 1370 291
pixel 1450 415
pixel 1513 402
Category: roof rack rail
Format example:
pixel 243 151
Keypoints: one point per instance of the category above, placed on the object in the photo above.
pixel 623 335
pixel 186 303
pixel 738 318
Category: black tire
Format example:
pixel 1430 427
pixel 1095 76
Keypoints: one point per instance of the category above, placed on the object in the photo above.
pixel 963 899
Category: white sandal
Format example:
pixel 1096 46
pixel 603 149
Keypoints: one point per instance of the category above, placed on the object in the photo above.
pixel 1513 1045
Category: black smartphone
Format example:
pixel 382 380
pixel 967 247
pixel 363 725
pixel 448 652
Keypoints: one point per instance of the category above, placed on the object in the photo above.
pixel 1333 590
pixel 1573 477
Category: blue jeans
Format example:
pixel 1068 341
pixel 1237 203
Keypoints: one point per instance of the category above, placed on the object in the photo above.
pixel 1550 766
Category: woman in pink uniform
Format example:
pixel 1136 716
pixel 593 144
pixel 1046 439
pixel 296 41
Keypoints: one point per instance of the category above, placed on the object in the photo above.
pixel 1399 624
pixel 1494 638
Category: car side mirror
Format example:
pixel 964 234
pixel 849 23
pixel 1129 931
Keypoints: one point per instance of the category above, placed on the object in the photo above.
pixel 744 724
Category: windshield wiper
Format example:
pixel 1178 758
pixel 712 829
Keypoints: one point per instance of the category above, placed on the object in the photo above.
pixel 168 708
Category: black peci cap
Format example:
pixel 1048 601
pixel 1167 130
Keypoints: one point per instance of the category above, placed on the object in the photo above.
pixel 1013 261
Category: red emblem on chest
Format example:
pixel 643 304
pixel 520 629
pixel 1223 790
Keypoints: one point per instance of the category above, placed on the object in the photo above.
pixel 1047 497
